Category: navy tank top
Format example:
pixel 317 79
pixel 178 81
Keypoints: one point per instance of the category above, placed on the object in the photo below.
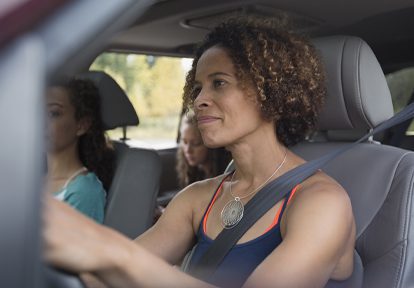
pixel 243 258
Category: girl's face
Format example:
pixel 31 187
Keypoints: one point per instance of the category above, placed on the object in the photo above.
pixel 225 112
pixel 192 145
pixel 63 129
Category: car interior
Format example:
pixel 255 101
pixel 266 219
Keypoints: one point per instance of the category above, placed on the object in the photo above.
pixel 135 167
pixel 367 50
pixel 358 100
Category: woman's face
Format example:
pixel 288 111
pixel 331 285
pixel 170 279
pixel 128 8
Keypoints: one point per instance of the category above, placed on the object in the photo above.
pixel 192 145
pixel 63 130
pixel 225 113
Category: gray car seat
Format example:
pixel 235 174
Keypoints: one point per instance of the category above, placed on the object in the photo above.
pixel 135 184
pixel 378 178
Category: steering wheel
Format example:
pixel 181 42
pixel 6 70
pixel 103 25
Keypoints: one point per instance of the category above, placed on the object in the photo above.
pixel 56 278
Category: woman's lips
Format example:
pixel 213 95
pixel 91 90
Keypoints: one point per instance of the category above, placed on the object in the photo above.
pixel 206 119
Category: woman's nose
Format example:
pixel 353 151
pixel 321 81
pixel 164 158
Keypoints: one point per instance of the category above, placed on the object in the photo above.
pixel 202 100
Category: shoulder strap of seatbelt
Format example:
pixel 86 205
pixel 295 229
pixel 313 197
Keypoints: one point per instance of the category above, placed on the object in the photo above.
pixel 398 131
pixel 272 193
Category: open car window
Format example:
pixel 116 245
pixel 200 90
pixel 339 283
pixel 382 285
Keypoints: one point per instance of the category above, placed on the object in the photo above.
pixel 401 84
pixel 154 85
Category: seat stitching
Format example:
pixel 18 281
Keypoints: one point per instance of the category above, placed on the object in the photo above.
pixel 367 225
pixel 399 270
pixel 343 83
pixel 361 106
pixel 405 230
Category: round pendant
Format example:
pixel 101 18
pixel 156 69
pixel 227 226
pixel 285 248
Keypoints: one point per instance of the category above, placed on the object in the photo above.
pixel 232 213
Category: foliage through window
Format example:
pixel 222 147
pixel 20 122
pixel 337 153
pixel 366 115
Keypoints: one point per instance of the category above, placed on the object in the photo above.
pixel 154 85
pixel 401 84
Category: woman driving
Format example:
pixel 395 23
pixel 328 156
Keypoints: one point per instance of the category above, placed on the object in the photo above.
pixel 255 90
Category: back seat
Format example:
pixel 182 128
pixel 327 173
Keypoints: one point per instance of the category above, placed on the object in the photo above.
pixel 135 184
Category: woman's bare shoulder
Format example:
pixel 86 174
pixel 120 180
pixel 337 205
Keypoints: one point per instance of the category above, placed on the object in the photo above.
pixel 318 234
pixel 322 197
pixel 194 199
pixel 201 190
pixel 321 187
pixel 325 188
pixel 197 195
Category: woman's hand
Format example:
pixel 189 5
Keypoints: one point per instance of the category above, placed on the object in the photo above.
pixel 79 245
pixel 91 281
pixel 72 241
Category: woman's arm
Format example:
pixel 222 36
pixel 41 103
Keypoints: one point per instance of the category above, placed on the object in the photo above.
pixel 77 244
pixel 174 233
pixel 318 231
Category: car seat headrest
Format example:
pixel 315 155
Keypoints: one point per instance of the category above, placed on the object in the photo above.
pixel 117 110
pixel 358 97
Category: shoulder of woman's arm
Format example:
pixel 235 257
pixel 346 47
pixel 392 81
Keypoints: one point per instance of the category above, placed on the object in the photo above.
pixel 193 200
pixel 198 192
pixel 321 207
pixel 178 222
pixel 317 227
pixel 320 197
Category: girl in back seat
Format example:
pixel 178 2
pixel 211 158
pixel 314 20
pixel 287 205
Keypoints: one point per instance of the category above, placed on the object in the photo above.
pixel 79 161
pixel 195 161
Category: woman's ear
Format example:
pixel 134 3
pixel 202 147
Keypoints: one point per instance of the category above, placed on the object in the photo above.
pixel 83 126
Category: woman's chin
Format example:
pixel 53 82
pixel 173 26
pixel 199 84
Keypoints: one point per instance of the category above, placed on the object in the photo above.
pixel 213 145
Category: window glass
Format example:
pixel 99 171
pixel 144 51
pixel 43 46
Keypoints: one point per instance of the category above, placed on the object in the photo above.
pixel 154 85
pixel 401 84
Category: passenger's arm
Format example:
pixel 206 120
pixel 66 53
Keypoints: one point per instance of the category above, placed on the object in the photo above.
pixel 318 230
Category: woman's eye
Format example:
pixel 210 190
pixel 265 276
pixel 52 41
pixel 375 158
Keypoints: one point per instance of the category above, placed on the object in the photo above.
pixel 54 114
pixel 218 83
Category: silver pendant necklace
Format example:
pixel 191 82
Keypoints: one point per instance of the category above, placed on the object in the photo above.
pixel 232 212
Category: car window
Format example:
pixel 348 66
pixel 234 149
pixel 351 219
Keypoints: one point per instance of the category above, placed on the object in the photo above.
pixel 401 84
pixel 154 85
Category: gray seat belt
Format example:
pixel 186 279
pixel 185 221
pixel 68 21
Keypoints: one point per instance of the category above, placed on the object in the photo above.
pixel 272 193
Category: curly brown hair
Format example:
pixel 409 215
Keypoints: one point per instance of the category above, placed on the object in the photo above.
pixel 95 152
pixel 283 67
pixel 218 159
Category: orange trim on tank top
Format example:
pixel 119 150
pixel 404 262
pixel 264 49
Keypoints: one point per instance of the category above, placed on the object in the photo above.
pixel 275 220
pixel 211 205
pixel 277 216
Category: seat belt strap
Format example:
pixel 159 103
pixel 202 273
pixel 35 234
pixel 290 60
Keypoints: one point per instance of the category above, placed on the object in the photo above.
pixel 272 193
pixel 398 131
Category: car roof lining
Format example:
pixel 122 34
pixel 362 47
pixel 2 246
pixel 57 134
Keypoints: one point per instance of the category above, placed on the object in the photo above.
pixel 173 27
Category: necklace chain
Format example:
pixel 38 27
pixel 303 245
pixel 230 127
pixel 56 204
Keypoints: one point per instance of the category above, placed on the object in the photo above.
pixel 233 211
pixel 238 198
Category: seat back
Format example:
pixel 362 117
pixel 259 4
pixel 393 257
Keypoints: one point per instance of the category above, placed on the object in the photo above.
pixel 135 184
pixel 378 178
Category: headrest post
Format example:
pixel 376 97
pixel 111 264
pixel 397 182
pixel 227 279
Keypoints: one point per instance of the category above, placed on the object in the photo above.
pixel 124 134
